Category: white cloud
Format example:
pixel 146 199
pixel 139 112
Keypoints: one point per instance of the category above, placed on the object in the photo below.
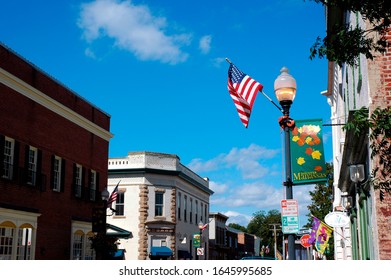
pixel 256 195
pixel 133 28
pixel 218 61
pixel 205 42
pixel 246 160
pixel 237 218
pixel 218 188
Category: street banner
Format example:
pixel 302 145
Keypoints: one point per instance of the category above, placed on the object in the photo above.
pixel 308 163
pixel 196 240
pixel 320 234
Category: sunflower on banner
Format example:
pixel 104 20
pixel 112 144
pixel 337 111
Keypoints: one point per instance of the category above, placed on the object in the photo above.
pixel 320 235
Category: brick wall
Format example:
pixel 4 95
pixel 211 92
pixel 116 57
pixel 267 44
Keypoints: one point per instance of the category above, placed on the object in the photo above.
pixel 30 123
pixel 380 86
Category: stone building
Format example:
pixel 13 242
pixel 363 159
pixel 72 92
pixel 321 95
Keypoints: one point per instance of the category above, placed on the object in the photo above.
pixel 161 202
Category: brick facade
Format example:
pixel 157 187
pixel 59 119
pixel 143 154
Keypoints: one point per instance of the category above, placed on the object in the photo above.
pixel 380 84
pixel 37 111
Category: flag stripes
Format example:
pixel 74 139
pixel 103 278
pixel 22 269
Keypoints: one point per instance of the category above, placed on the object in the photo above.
pixel 113 196
pixel 243 90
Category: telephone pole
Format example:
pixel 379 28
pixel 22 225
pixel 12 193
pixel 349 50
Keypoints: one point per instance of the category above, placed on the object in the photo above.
pixel 275 229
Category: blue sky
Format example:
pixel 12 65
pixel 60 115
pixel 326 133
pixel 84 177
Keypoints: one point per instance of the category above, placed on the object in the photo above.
pixel 158 68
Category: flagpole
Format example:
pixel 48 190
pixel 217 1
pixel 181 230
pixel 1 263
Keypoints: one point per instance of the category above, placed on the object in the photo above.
pixel 278 107
pixel 264 94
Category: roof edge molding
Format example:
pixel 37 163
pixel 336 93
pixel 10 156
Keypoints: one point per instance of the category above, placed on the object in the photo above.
pixel 30 92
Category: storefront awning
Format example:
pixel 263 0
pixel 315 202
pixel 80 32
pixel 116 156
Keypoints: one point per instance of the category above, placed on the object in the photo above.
pixel 119 254
pixel 118 232
pixel 162 251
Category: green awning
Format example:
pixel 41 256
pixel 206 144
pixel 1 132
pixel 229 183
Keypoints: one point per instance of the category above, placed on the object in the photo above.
pixel 118 232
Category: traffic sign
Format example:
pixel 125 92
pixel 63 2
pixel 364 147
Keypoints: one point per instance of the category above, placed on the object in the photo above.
pixel 290 224
pixel 304 241
pixel 200 251
pixel 196 240
pixel 289 216
pixel 290 207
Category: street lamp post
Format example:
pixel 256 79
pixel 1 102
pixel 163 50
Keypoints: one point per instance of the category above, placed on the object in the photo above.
pixel 105 197
pixel 285 89
pixel 200 226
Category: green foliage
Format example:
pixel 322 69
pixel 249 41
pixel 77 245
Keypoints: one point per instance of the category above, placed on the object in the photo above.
pixel 322 204
pixel 238 227
pixel 261 225
pixel 322 197
pixel 104 245
pixel 344 43
pixel 378 127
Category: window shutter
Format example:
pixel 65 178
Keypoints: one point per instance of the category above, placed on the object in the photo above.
pixel 26 163
pixel 52 172
pixel 97 191
pixel 62 187
pixel 73 179
pixel 83 181
pixel 40 180
pixel 16 158
pixel 2 141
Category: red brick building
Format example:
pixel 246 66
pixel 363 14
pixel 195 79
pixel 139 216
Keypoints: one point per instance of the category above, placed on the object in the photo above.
pixel 53 164
pixel 367 234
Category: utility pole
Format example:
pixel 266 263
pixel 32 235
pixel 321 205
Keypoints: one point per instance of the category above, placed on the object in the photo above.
pixel 274 229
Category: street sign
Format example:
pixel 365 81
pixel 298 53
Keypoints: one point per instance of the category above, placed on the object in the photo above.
pixel 196 240
pixel 337 219
pixel 200 251
pixel 290 224
pixel 304 241
pixel 289 216
pixel 289 207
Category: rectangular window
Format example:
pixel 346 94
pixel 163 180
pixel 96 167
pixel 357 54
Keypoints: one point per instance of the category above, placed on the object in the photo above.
pixel 159 196
pixel 32 166
pixel 202 206
pixel 196 211
pixel 9 145
pixel 78 180
pixel 57 167
pixel 179 205
pixel 120 204
pixel 93 185
pixel 191 210
pixel 185 208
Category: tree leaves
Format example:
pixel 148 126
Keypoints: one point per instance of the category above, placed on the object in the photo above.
pixel 344 43
pixel 378 127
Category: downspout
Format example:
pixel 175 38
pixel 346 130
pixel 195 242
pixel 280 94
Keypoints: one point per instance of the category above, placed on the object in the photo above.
pixel 363 226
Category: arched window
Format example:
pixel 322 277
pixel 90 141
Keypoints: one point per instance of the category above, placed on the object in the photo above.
pixel 7 240
pixel 89 252
pixel 24 245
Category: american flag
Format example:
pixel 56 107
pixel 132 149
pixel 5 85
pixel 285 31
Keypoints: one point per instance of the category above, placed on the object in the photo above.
pixel 243 90
pixel 113 196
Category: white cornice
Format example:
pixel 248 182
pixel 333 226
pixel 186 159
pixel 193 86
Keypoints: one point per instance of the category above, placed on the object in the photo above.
pixel 25 89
